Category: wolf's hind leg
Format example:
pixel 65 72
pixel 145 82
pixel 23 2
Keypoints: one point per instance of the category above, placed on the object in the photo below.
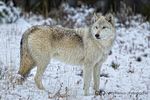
pixel 41 66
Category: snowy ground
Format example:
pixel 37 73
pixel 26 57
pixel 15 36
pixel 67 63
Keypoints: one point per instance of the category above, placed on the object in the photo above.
pixel 124 76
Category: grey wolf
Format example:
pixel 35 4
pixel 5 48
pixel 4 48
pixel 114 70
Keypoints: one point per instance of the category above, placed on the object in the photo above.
pixel 88 47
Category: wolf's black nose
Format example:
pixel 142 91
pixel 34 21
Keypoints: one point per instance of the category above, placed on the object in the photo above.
pixel 97 35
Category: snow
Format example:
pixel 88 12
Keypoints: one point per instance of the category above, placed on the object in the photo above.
pixel 129 81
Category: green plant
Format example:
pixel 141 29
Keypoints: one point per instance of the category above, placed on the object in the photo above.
pixel 114 65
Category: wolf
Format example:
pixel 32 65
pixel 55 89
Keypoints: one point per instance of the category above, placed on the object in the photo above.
pixel 87 46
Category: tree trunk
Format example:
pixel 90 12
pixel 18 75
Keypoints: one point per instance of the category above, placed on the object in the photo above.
pixel 45 8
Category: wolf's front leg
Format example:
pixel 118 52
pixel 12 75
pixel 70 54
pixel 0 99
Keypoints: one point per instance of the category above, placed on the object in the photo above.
pixel 87 75
pixel 96 77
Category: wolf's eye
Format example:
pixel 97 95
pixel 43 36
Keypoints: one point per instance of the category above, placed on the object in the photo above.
pixel 96 27
pixel 103 27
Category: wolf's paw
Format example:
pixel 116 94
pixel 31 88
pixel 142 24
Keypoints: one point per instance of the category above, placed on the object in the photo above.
pixel 39 84
pixel 41 87
pixel 97 92
pixel 100 92
pixel 86 92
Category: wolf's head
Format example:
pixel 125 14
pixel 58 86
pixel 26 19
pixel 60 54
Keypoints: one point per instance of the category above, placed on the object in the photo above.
pixel 103 27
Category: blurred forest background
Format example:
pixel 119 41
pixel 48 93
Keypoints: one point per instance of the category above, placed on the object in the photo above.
pixel 52 8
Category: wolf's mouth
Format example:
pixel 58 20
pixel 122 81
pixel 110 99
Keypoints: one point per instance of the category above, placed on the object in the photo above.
pixel 98 37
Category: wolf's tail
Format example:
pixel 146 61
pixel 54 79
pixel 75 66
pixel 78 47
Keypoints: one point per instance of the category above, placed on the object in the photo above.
pixel 26 60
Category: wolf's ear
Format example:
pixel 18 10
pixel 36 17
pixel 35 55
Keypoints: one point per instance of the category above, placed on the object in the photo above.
pixel 109 17
pixel 94 18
